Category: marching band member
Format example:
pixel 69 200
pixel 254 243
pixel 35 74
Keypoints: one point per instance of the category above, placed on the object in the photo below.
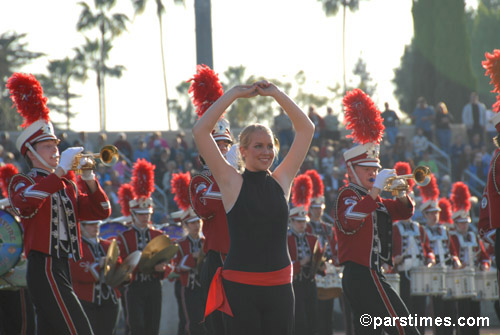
pixel 99 300
pixel 189 257
pixel 187 264
pixel 206 198
pixel 301 246
pixel 50 208
pixel 17 315
pixel 470 249
pixel 443 248
pixel 143 295
pixel 364 222
pixel 411 249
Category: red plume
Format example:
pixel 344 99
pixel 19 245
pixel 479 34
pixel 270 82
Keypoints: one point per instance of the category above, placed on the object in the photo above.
pixel 27 94
pixel 302 191
pixel 404 168
pixel 492 66
pixel 205 88
pixel 81 184
pixel 460 196
pixel 445 215
pixel 430 191
pixel 317 183
pixel 180 187
pixel 362 117
pixel 143 178
pixel 6 173
pixel 125 195
pixel 70 175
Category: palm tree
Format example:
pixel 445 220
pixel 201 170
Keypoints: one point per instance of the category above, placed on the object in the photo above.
pixel 57 85
pixel 13 55
pixel 331 8
pixel 139 6
pixel 109 27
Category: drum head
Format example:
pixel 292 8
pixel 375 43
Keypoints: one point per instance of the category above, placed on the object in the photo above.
pixel 109 230
pixel 173 231
pixel 11 242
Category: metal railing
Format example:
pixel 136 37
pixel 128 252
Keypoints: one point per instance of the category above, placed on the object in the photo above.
pixel 475 190
pixel 441 155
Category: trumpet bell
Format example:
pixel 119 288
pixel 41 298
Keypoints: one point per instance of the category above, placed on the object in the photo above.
pixel 109 155
pixel 422 175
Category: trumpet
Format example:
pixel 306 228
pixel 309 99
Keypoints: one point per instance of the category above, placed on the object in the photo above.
pixel 421 175
pixel 108 156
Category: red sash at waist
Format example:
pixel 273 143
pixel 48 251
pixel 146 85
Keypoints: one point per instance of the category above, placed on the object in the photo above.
pixel 217 297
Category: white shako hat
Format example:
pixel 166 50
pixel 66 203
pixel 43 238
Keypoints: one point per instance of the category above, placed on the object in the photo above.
pixel 363 154
pixel 430 206
pixel 299 213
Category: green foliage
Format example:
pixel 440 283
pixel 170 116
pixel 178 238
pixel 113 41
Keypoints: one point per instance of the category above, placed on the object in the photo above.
pixel 484 28
pixel 13 55
pixel 331 7
pixel 365 80
pixel 437 63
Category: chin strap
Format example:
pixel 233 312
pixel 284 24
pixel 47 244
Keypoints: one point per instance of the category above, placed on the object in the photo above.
pixel 33 151
pixel 354 173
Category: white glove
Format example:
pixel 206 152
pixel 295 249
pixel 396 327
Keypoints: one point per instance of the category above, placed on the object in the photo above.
pixel 67 157
pixel 382 177
pixel 86 174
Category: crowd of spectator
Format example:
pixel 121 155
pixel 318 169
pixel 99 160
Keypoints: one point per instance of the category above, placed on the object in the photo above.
pixel 426 143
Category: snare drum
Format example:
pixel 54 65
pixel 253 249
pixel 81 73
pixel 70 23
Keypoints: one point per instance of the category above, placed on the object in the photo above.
pixel 428 280
pixel 330 285
pixel 175 232
pixel 110 230
pixel 486 285
pixel 393 279
pixel 461 283
pixel 11 242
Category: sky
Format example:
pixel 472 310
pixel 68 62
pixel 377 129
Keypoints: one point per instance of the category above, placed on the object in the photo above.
pixel 271 38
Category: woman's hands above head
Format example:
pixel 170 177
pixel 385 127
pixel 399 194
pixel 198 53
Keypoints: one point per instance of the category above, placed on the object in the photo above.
pixel 266 88
pixel 245 91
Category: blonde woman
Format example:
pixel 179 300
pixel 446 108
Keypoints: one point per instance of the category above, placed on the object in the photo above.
pixel 254 288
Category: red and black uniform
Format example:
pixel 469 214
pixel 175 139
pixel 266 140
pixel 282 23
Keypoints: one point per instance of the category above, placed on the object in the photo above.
pixel 192 296
pixel 300 246
pixel 50 209
pixel 446 254
pixel 206 201
pixel 364 235
pixel 410 242
pixel 471 253
pixel 143 294
pixel 100 301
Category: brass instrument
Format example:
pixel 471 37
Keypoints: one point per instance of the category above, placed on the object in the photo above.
pixel 421 175
pixel 108 156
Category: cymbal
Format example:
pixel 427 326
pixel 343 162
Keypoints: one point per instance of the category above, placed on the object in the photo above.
pixel 111 260
pixel 122 272
pixel 160 249
pixel 317 258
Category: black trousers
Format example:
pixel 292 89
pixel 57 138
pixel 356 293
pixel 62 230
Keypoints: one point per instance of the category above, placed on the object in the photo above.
pixel 416 304
pixel 306 307
pixel 325 315
pixel 181 328
pixel 103 318
pixel 443 308
pixel 259 310
pixel 193 305
pixel 58 310
pixel 143 304
pixel 17 315
pixel 468 308
pixel 369 293
pixel 215 321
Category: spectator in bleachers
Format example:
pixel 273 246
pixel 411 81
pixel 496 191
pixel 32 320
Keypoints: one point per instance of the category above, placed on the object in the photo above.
pixel 102 140
pixel 442 127
pixel 319 125
pixel 331 125
pixel 391 123
pixel 161 164
pixel 85 142
pixel 124 145
pixel 445 186
pixel 474 117
pixel 402 150
pixel 180 139
pixel 430 162
pixel 102 173
pixel 141 151
pixel 456 152
pixel 8 144
pixel 475 142
pixel 490 129
pixel 180 157
pixel 486 157
pixel 156 139
pixel 420 143
pixel 64 143
pixel 122 169
pixel 387 155
pixel 332 181
pixel 167 176
pixel 283 128
pixel 423 117
pixel 465 159
pixel 476 168
pixel 328 162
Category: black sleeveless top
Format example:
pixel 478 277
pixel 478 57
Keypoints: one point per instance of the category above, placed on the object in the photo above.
pixel 258 225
